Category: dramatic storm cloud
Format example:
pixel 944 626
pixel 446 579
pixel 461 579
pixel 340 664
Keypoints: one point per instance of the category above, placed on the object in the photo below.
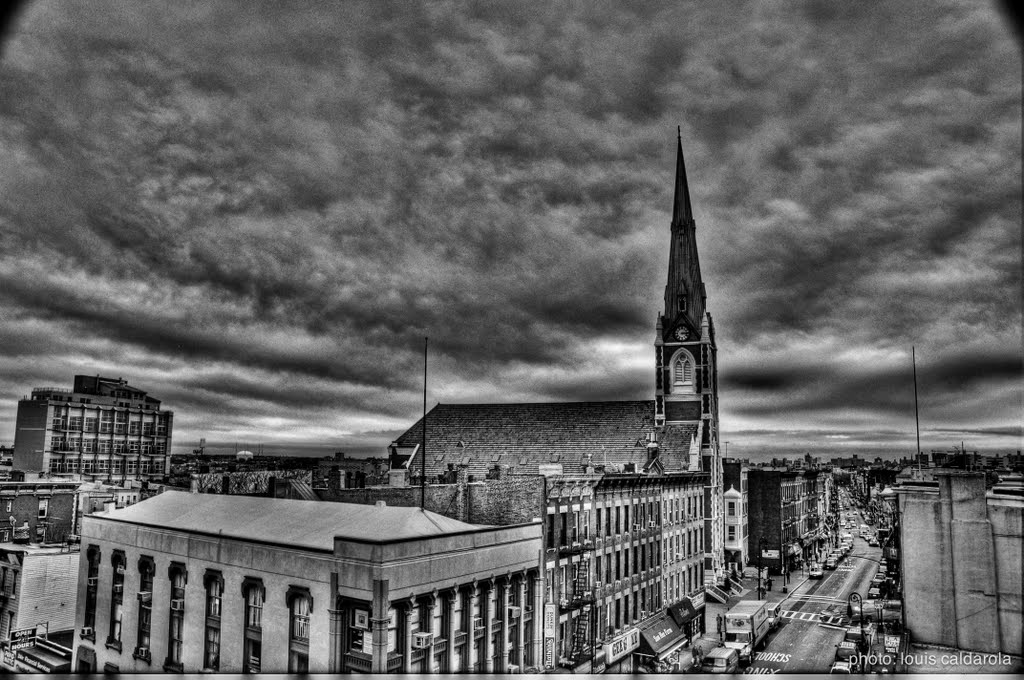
pixel 257 211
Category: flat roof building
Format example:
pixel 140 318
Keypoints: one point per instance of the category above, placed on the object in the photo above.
pixel 192 582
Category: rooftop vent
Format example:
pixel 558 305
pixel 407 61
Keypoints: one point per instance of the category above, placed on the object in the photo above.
pixel 381 504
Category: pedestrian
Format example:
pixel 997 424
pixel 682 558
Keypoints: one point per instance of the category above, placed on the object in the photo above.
pixel 721 636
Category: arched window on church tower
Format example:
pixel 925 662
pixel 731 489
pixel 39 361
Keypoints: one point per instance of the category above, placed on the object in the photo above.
pixel 682 372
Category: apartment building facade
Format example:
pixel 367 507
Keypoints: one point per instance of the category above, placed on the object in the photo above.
pixel 621 550
pixel 102 429
pixel 737 544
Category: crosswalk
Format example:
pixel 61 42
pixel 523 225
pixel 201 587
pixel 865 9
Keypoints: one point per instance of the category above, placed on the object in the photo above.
pixel 827 620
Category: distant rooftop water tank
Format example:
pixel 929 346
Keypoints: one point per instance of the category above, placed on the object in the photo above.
pixel 243 455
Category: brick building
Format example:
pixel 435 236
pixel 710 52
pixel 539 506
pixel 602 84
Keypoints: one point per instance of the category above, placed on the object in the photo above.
pixel 37 511
pixel 192 582
pixel 785 512
pixel 103 428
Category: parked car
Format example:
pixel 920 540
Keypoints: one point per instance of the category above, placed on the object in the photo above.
pixel 846 658
pixel 721 660
pixel 874 593
pixel 877 580
pixel 831 562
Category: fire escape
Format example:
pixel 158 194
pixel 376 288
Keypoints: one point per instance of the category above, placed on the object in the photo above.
pixel 581 600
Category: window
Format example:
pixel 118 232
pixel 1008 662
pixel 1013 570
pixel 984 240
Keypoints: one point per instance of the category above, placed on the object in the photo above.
pixel 117 561
pixel 146 571
pixel 214 599
pixel 732 533
pixel 732 508
pixel 176 574
pixel 300 605
pixel 682 370
pixel 253 593
pixel 10 505
pixel 91 586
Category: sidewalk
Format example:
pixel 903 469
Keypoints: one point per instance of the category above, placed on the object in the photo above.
pixel 798 584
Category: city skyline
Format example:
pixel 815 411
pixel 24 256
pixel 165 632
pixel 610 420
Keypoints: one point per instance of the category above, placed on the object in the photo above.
pixel 256 214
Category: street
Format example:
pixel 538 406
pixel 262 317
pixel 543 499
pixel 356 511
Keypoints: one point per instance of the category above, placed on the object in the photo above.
pixel 804 643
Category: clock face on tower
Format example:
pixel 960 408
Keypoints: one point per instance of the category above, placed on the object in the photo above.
pixel 681 333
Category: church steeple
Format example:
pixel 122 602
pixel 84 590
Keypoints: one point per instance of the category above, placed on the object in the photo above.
pixel 684 292
pixel 682 211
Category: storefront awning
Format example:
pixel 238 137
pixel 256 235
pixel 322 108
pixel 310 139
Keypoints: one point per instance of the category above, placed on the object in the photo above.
pixel 661 637
pixel 39 660
pixel 682 612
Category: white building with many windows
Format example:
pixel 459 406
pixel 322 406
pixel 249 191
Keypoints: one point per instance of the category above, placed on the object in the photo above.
pixel 102 428
pixel 193 582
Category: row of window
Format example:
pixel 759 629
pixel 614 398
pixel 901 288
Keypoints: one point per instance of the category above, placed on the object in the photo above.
pixel 298 600
pixel 131 466
pixel 91 445
pixel 136 427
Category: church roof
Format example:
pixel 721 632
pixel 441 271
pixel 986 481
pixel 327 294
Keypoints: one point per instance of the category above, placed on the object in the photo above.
pixel 525 436
pixel 303 524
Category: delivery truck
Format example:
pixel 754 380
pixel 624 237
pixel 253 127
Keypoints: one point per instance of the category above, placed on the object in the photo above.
pixel 746 626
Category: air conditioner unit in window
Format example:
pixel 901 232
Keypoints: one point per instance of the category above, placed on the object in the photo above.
pixel 598 585
pixel 636 527
pixel 422 640
pixel 514 612
pixel 92 581
pixel 512 668
pixel 142 653
pixel 145 597
pixel 653 524
pixel 478 623
pixel 643 614
pixel 87 631
pixel 177 605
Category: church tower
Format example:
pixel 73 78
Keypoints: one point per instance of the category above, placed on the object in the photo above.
pixel 686 380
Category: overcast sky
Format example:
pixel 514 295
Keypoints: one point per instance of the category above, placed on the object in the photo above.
pixel 257 211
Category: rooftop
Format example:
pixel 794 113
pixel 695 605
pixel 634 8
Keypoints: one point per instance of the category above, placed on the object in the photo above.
pixel 304 524
pixel 525 436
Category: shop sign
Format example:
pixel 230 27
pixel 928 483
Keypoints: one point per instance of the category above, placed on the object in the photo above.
pixel 550 618
pixel 770 554
pixel 25 637
pixel 34 664
pixel 697 600
pixel 892 644
pixel 8 657
pixel 622 645
pixel 549 652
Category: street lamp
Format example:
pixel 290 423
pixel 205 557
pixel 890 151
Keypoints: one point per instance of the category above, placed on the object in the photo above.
pixel 849 612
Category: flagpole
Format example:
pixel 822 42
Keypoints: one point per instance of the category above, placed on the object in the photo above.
pixel 917 420
pixel 423 444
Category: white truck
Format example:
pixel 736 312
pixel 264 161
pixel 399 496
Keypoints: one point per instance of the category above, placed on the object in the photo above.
pixel 746 626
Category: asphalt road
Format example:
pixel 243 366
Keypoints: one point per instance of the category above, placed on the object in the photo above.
pixel 803 644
